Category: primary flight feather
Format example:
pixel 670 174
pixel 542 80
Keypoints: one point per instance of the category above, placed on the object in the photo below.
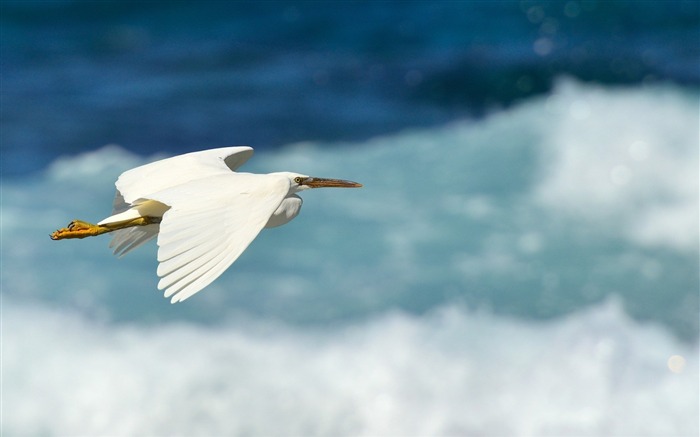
pixel 204 213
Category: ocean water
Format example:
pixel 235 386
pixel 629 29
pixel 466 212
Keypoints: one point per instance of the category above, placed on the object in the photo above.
pixel 197 74
pixel 533 272
pixel 523 259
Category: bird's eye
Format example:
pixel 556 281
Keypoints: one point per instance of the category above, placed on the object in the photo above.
pixel 298 179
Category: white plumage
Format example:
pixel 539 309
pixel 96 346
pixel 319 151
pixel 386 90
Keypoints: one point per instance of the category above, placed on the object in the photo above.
pixel 203 212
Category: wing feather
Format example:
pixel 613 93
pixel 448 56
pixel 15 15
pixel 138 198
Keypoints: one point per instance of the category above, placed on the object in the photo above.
pixel 187 259
pixel 142 181
pixel 218 267
pixel 190 262
pixel 177 246
pixel 126 240
pixel 119 205
pixel 202 272
pixel 211 221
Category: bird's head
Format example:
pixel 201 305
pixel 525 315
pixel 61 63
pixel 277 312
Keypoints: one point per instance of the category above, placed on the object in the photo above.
pixel 300 182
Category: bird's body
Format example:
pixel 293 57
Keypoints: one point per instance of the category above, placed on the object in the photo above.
pixel 203 212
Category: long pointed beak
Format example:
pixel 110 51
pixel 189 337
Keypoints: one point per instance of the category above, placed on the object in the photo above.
pixel 330 183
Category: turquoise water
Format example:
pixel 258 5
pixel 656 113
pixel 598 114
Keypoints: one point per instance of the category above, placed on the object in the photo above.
pixel 532 272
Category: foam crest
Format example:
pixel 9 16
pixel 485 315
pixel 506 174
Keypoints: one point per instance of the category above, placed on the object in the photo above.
pixel 106 162
pixel 624 158
pixel 452 372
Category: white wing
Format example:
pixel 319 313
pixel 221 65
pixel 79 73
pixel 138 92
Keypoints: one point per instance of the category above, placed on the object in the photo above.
pixel 210 223
pixel 140 182
pixel 126 240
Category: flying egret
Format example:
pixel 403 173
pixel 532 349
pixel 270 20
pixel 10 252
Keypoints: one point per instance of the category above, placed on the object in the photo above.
pixel 204 213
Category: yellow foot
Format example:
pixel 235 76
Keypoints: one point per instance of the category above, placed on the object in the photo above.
pixel 78 229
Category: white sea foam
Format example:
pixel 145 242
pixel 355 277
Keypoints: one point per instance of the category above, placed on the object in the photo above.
pixel 452 372
pixel 629 160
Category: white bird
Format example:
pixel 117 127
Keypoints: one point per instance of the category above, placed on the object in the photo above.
pixel 204 213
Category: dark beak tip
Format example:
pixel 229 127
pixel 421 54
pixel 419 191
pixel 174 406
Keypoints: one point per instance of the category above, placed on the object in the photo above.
pixel 351 184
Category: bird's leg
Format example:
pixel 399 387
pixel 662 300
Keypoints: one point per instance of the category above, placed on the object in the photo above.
pixel 81 229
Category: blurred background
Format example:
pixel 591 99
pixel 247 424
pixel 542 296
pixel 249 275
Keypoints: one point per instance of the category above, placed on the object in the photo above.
pixel 522 260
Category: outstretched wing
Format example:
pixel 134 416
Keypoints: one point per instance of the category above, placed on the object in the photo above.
pixel 211 221
pixel 142 181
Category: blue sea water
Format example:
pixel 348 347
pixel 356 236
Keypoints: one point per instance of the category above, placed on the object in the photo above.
pixel 175 76
pixel 522 260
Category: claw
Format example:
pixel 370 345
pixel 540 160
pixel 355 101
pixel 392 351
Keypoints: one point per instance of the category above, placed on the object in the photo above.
pixel 78 229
